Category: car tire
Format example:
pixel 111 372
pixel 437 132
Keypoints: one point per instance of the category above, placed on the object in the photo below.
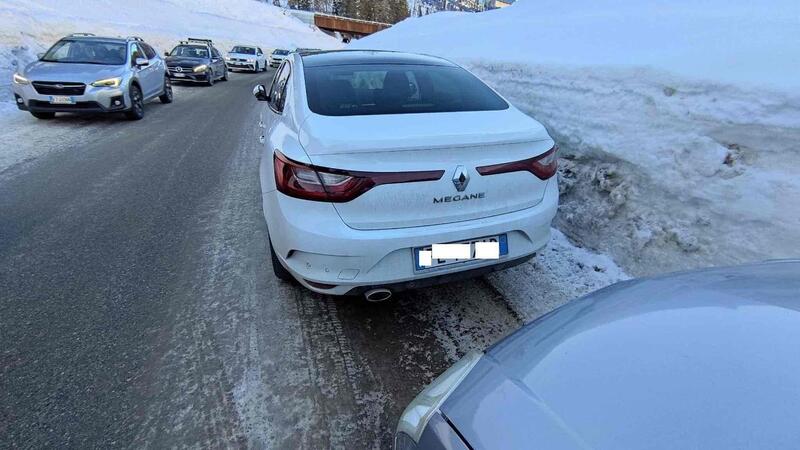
pixel 225 75
pixel 137 104
pixel 280 272
pixel 43 115
pixel 166 97
pixel 258 68
pixel 209 78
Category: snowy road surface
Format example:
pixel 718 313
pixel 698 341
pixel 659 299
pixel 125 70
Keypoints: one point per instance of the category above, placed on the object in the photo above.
pixel 138 306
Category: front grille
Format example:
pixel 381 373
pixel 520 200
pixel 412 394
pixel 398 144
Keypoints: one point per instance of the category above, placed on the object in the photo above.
pixel 184 67
pixel 58 88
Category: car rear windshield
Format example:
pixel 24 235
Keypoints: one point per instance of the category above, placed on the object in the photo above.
pixel 190 51
pixel 368 89
pixel 244 50
pixel 86 52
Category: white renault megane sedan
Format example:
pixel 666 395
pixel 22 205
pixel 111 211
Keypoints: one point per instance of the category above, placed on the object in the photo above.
pixel 383 171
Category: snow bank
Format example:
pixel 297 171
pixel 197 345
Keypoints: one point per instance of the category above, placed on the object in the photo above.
pixel 733 41
pixel 679 122
pixel 28 28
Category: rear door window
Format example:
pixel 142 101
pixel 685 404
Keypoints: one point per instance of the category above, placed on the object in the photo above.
pixel 277 93
pixel 368 89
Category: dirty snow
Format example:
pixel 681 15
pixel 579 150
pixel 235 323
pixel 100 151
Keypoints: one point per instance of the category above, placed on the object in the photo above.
pixel 678 122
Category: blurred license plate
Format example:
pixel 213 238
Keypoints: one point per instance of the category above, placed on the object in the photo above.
pixel 179 75
pixel 502 241
pixel 62 100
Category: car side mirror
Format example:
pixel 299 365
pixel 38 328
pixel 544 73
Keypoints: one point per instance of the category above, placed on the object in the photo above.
pixel 166 53
pixel 39 55
pixel 141 62
pixel 260 93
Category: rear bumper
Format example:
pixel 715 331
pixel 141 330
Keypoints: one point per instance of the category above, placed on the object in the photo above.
pixel 446 278
pixel 93 100
pixel 315 245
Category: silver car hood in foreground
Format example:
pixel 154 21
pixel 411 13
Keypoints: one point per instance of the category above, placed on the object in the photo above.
pixel 707 359
pixel 79 73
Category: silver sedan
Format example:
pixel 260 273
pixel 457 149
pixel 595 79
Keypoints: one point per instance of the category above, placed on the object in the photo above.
pixel 705 359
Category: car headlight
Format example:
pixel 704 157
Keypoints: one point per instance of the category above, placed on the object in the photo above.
pixel 415 417
pixel 200 68
pixel 108 82
pixel 19 79
pixel 251 59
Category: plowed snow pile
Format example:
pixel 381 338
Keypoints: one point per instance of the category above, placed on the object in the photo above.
pixel 679 121
pixel 28 28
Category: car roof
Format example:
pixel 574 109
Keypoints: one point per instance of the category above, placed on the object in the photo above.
pixel 701 359
pixel 349 57
pixel 121 40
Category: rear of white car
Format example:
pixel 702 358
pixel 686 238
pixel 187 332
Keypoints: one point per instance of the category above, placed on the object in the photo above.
pixel 371 160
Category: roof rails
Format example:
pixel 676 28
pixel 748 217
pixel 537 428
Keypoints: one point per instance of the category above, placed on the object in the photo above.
pixel 81 34
pixel 134 38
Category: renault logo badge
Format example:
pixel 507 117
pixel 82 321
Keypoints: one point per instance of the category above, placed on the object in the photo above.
pixel 460 178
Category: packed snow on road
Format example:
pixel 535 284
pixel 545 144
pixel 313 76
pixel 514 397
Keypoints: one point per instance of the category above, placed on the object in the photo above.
pixel 678 122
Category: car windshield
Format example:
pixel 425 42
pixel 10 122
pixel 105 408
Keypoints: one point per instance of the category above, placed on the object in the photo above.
pixel 244 50
pixel 86 52
pixel 351 90
pixel 280 52
pixel 190 51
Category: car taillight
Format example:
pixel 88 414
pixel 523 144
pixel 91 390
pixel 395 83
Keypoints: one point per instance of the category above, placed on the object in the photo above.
pixel 309 182
pixel 543 166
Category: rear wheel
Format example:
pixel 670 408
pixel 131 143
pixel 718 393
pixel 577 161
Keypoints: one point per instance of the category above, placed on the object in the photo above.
pixel 277 267
pixel 137 104
pixel 43 115
pixel 166 97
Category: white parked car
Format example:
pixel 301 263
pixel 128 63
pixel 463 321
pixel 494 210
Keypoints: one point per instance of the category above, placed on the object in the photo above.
pixel 277 56
pixel 246 57
pixel 373 158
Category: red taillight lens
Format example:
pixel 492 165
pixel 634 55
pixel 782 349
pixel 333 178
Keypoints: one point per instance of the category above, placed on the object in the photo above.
pixel 309 182
pixel 543 166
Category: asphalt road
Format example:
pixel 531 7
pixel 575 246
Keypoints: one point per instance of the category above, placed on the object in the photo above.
pixel 138 306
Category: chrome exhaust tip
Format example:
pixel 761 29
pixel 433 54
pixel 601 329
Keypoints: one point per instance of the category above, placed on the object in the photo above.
pixel 378 295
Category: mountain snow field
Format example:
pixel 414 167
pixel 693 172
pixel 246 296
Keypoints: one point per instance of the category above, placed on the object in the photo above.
pixel 678 121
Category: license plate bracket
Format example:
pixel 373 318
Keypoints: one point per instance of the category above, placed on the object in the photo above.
pixel 61 100
pixel 501 239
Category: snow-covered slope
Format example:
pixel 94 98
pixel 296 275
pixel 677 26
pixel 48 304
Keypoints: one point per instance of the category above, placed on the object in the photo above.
pixel 30 27
pixel 735 41
pixel 679 121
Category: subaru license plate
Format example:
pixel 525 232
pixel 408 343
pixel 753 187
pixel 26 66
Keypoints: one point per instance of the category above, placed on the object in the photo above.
pixel 61 100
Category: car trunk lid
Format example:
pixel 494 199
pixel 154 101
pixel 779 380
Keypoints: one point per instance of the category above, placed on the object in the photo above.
pixel 455 143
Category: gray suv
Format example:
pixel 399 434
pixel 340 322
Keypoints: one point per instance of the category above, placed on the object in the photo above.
pixel 84 73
